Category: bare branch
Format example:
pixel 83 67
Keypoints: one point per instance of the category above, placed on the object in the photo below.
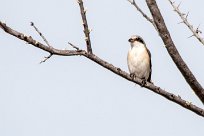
pixel 187 15
pixel 37 44
pixel 85 24
pixel 190 36
pixel 185 21
pixel 179 5
pixel 41 35
pixel 105 64
pixel 142 13
pixel 73 46
pixel 46 58
pixel 45 40
pixel 173 52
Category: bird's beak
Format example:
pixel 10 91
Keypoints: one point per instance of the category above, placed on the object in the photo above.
pixel 130 40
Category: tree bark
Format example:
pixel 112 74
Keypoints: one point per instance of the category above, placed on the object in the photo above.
pixel 173 52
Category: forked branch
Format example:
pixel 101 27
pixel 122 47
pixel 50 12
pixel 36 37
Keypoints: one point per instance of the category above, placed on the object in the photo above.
pixel 173 52
pixel 41 35
pixel 45 40
pixel 105 64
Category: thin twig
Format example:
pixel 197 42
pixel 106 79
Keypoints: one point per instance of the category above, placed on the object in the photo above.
pixel 142 13
pixel 45 40
pixel 174 98
pixel 41 35
pixel 85 24
pixel 185 21
pixel 46 58
pixel 197 30
pixel 190 36
pixel 73 46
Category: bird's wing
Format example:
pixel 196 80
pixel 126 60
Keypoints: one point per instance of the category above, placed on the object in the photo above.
pixel 150 73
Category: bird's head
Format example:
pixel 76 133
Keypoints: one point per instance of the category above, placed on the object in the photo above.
pixel 136 39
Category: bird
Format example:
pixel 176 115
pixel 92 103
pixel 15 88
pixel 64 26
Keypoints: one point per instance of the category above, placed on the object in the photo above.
pixel 139 59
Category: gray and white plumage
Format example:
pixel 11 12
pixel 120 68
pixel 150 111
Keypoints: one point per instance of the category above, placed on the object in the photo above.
pixel 139 59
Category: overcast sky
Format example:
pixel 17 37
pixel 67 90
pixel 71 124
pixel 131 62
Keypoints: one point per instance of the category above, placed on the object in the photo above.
pixel 73 95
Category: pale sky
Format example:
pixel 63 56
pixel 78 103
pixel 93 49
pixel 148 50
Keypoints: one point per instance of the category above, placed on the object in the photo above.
pixel 75 96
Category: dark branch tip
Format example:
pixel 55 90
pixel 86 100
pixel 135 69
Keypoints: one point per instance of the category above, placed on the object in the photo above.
pixel 31 23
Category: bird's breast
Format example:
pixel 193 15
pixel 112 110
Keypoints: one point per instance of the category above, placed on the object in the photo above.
pixel 139 62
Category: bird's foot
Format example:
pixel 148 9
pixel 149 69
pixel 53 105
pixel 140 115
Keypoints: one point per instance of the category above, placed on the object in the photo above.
pixel 144 81
pixel 132 76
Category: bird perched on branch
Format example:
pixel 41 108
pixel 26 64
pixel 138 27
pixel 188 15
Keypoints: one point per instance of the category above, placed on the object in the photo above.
pixel 139 59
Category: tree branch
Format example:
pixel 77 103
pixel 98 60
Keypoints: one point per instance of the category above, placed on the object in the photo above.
pixel 41 35
pixel 173 52
pixel 46 58
pixel 37 44
pixel 45 40
pixel 73 46
pixel 105 64
pixel 85 24
pixel 185 21
pixel 142 13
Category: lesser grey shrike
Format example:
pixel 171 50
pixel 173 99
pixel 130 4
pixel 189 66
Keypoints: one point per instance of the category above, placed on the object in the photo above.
pixel 139 59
